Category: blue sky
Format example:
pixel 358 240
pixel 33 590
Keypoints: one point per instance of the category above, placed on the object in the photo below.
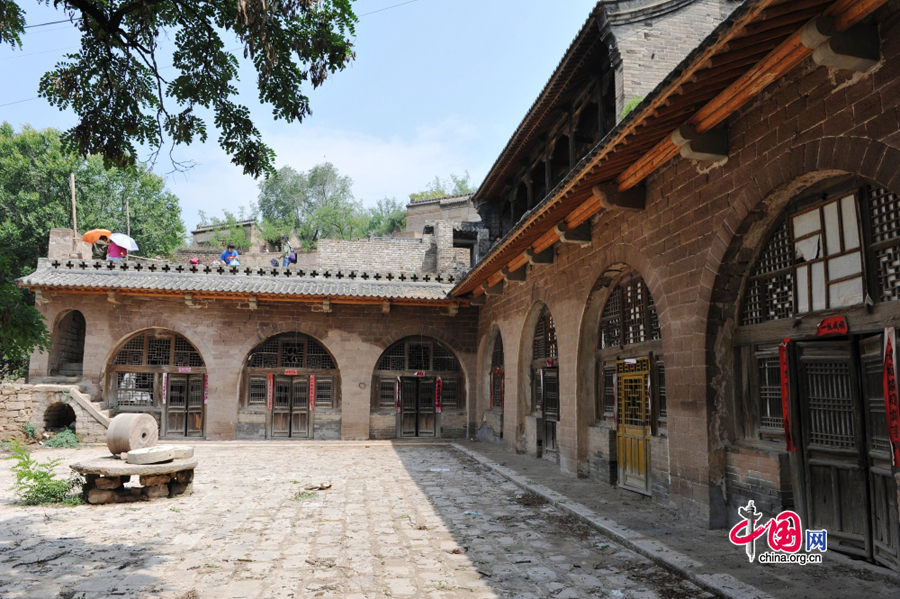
pixel 437 87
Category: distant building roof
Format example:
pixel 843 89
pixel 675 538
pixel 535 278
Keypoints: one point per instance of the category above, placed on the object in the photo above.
pixel 206 281
pixel 458 197
pixel 240 223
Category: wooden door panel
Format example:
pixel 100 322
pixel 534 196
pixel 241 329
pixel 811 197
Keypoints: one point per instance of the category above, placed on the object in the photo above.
pixel 177 399
pixel 195 408
pixel 425 405
pixel 885 528
pixel 408 399
pixel 300 408
pixel 281 408
pixel 633 434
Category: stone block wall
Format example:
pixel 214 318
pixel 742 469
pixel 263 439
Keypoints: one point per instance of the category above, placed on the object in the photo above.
pixel 602 453
pixel 813 124
pixel 760 474
pixel 68 344
pixel 21 404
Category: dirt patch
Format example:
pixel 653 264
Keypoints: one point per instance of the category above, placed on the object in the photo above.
pixel 530 500
pixel 570 526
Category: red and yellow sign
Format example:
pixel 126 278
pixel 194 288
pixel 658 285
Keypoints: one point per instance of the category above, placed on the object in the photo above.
pixel 438 388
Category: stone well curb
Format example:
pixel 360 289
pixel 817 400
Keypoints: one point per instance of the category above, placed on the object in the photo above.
pixel 722 585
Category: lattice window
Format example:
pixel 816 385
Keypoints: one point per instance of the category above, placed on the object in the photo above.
pixel 544 343
pixel 317 357
pixel 387 392
pixel 186 355
pixel 830 404
pixel 282 393
pixel 394 358
pixel 132 353
pixel 325 392
pixel 629 316
pixel 258 388
pixel 609 391
pixel 159 351
pixel 450 393
pixel 497 355
pixel 496 373
pixel 878 436
pixel 419 356
pixel 884 216
pixel 769 372
pixel 444 360
pixel 134 388
pixel 770 291
pixel 266 354
pixel 292 353
pixel 611 320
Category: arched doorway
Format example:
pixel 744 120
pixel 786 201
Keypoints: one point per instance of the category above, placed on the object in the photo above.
pixel 67 345
pixel 418 388
pixel 290 390
pixel 161 373
pixel 631 378
pixel 809 359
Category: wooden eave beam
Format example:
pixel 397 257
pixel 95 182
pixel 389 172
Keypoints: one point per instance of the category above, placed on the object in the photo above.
pixel 345 300
pixel 772 66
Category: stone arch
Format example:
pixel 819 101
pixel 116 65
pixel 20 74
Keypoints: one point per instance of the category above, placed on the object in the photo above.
pixel 486 413
pixel 753 210
pixel 67 345
pixel 523 376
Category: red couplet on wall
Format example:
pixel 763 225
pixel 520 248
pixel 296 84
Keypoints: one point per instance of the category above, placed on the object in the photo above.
pixel 205 389
pixel 836 325
pixel 785 394
pixel 290 372
pixel 438 388
pixel 271 394
pixel 165 389
pixel 399 385
pixel 312 392
pixel 891 401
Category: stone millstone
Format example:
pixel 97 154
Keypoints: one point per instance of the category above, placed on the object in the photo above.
pixel 152 455
pixel 112 466
pixel 183 451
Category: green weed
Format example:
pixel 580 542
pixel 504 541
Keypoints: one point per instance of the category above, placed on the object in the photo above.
pixel 30 430
pixel 37 484
pixel 63 440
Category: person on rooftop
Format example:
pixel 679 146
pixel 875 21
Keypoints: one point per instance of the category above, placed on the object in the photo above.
pixel 99 248
pixel 287 250
pixel 116 253
pixel 230 256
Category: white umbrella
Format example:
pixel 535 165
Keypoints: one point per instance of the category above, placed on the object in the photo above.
pixel 124 241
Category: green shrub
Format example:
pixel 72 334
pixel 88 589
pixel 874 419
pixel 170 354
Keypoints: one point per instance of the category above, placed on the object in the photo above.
pixel 629 106
pixel 30 431
pixel 65 439
pixel 37 484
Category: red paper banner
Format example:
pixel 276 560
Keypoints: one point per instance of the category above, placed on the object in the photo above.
pixel 836 325
pixel 290 372
pixel 271 395
pixel 785 394
pixel 891 403
pixel 205 389
pixel 184 369
pixel 399 384
pixel 312 392
pixel 438 388
pixel 165 388
pixel 502 383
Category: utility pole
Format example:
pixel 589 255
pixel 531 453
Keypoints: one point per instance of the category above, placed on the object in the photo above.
pixel 74 216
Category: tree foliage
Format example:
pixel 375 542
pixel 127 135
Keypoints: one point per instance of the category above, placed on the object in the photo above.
pixel 35 196
pixel 117 82
pixel 317 204
pixel 228 229
pixel 22 328
pixel 387 217
pixel 440 188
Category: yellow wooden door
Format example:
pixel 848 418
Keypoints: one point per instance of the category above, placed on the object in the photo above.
pixel 633 424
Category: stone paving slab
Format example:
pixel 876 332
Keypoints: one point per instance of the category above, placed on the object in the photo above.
pixel 399 521
pixel 675 541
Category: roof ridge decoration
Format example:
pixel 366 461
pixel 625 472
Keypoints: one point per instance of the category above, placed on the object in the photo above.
pixel 442 198
pixel 177 279
pixel 625 12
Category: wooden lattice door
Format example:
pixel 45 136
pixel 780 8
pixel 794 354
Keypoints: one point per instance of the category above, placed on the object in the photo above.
pixel 882 485
pixel 290 409
pixel 184 406
pixel 633 426
pixel 832 423
pixel 417 415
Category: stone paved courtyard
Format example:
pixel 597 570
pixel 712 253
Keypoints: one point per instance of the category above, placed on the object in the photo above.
pixel 399 521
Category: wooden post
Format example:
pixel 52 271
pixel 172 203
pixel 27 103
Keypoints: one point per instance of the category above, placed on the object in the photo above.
pixel 127 216
pixel 74 216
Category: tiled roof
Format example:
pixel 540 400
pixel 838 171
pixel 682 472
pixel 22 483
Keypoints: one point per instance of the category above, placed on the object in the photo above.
pixel 460 197
pixel 178 279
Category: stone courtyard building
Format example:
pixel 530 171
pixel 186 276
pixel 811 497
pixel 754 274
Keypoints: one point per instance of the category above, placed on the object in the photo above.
pixel 630 323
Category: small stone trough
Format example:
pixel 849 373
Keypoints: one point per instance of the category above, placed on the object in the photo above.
pixel 163 470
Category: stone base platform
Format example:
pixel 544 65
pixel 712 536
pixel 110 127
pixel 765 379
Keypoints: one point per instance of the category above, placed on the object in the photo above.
pixel 105 479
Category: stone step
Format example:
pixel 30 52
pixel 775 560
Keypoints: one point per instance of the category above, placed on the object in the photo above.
pixel 71 369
